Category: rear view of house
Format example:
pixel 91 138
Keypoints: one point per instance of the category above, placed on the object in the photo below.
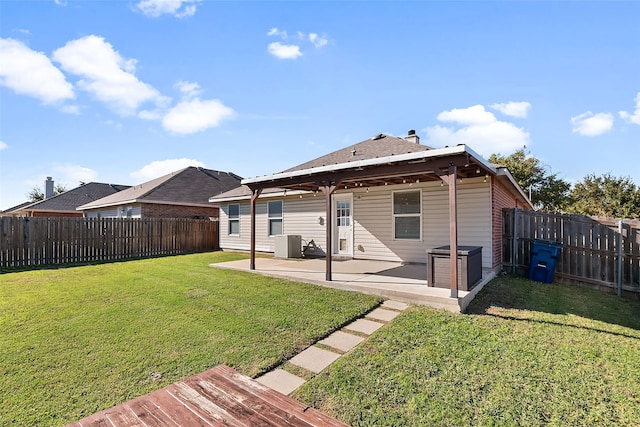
pixel 385 198
pixel 181 194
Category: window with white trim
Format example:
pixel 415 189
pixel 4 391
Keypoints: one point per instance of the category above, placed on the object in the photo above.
pixel 234 219
pixel 407 215
pixel 274 214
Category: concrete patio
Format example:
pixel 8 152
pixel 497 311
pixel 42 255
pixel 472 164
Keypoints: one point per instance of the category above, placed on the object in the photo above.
pixel 393 280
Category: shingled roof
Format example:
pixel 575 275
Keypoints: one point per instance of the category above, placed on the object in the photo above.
pixel 71 199
pixel 188 186
pixel 378 146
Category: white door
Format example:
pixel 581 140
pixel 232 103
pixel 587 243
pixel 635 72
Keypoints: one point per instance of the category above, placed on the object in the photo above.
pixel 343 229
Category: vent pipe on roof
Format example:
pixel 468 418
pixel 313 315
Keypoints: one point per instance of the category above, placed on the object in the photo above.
pixel 48 188
pixel 412 137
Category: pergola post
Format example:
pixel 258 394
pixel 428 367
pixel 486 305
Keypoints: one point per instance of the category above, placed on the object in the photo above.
pixel 328 190
pixel 453 229
pixel 255 193
pixel 450 179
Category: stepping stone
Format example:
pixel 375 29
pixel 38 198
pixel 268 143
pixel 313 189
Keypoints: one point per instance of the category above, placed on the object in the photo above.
pixel 364 326
pixel 315 359
pixel 382 314
pixel 342 341
pixel 395 305
pixel 281 381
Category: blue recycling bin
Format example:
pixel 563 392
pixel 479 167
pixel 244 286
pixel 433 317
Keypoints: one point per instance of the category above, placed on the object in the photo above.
pixel 544 257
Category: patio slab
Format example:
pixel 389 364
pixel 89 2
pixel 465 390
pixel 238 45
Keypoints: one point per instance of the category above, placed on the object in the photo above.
pixel 315 359
pixel 364 326
pixel 383 314
pixel 392 280
pixel 342 340
pixel 281 380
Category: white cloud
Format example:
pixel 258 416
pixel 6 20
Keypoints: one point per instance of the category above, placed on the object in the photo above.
pixel 194 115
pixel 74 173
pixel 479 129
pixel 589 124
pixel 284 51
pixel 3 145
pixel 513 109
pixel 155 8
pixel 159 168
pixel 635 116
pixel 318 41
pixel 276 32
pixel 60 2
pixel 189 89
pixel 28 72
pixel 475 115
pixel 106 75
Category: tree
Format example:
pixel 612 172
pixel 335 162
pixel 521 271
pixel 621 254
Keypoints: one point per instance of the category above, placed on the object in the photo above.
pixel 606 196
pixel 36 194
pixel 546 190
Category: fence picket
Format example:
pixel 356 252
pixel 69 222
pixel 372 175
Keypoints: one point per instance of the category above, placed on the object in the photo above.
pixel 31 241
pixel 589 246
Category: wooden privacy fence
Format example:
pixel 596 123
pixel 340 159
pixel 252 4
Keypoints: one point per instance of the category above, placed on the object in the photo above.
pixel 595 251
pixel 48 241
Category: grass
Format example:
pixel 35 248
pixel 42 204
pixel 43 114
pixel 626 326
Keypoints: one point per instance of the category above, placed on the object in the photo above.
pixel 526 354
pixel 78 340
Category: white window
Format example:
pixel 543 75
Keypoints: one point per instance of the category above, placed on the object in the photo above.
pixel 234 219
pixel 274 213
pixel 407 215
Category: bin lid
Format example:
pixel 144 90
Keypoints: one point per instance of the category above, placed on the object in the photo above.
pixel 462 250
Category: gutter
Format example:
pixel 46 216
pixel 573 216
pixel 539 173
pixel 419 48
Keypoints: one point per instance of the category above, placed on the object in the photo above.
pixel 420 155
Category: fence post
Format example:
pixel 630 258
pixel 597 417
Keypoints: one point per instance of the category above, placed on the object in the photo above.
pixel 619 260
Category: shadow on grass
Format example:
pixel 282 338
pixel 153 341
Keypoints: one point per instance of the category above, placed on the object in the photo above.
pixel 511 292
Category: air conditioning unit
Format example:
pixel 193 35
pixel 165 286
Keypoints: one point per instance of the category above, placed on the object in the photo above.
pixel 288 246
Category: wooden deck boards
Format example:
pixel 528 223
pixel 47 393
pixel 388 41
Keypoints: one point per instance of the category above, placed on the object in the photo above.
pixel 217 397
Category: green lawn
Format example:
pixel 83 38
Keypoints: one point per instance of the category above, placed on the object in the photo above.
pixel 527 354
pixel 78 340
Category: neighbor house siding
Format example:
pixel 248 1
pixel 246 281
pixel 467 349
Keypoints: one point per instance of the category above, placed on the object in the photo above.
pixel 111 212
pixel 373 237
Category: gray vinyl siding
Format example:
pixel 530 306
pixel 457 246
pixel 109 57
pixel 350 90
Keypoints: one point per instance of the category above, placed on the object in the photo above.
pixel 373 221
pixel 299 216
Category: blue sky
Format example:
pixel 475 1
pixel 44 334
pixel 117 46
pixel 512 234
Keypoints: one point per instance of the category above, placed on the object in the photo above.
pixel 125 91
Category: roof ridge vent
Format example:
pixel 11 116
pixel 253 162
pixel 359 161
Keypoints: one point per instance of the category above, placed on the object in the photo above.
pixel 378 136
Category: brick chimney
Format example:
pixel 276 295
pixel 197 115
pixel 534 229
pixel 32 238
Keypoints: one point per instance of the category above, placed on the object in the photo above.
pixel 412 137
pixel 48 188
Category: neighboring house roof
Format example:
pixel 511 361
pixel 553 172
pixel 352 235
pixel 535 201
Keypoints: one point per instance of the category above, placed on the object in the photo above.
pixel 15 208
pixel 71 199
pixel 191 186
pixel 375 147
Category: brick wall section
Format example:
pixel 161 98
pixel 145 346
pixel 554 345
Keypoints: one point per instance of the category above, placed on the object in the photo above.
pixel 172 211
pixel 500 198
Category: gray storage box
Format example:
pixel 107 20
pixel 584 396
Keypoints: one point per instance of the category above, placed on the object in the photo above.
pixel 469 267
pixel 288 246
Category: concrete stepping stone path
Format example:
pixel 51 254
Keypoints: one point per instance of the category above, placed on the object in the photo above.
pixel 315 359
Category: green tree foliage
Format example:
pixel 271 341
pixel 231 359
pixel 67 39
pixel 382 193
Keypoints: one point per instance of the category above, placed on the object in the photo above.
pixel 606 196
pixel 36 194
pixel 548 192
